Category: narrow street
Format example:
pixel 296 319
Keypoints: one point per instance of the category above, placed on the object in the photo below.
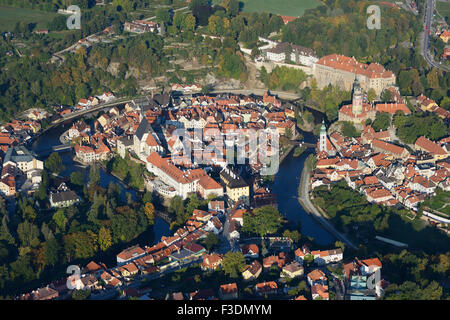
pixel 227 244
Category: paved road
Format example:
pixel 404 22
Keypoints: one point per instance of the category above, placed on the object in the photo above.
pixel 260 92
pixel 227 244
pixel 154 17
pixel 429 9
pixel 313 210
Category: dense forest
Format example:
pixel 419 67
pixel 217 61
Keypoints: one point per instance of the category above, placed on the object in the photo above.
pixel 350 210
pixel 283 78
pixel 416 275
pixel 38 241
pixel 414 77
pixel 411 127
pixel 33 82
pixel 340 26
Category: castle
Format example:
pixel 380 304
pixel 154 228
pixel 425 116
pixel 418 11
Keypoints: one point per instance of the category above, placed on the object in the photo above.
pixel 359 111
pixel 339 70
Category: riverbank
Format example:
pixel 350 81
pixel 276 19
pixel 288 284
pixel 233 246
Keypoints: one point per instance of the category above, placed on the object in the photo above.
pixel 308 206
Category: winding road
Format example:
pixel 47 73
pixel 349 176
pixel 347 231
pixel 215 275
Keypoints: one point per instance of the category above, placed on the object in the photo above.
pixel 429 9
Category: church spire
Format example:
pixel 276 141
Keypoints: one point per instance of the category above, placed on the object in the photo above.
pixel 323 137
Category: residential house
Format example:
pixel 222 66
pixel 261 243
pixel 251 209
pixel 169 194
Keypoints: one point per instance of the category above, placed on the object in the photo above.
pixel 205 294
pixel 424 144
pixel 320 292
pixel 236 187
pixel 316 277
pixel 292 270
pixel 369 266
pixel 45 293
pixel 63 199
pixel 212 261
pixel 129 254
pixel 252 271
pixel 250 251
pixel 128 270
pixel 217 205
pixel 266 288
pixel 228 291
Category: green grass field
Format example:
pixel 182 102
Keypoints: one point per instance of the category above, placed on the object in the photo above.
pixel 293 8
pixel 9 16
pixel 443 8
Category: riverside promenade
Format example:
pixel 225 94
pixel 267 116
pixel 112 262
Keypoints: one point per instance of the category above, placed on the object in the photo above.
pixel 306 203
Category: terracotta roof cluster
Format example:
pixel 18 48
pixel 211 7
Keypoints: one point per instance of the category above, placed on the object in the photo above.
pixel 373 70
pixel 378 192
pixel 279 260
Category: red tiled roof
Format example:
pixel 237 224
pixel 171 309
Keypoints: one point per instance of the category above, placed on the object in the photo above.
pixel 316 275
pixel 372 262
pixel 348 64
pixel 287 19
pixel 130 253
pixel 429 146
pixel 228 288
pixel 392 108
pixel 209 183
pixel 389 147
pixel 171 170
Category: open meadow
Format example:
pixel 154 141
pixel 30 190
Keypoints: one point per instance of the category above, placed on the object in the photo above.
pixel 293 8
pixel 9 16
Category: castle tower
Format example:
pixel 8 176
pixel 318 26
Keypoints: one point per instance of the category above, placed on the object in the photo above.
pixel 357 98
pixel 323 138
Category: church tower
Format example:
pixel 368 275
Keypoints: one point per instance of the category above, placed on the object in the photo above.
pixel 323 138
pixel 357 98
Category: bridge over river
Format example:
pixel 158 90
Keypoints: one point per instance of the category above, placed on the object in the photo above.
pixel 302 143
pixel 57 148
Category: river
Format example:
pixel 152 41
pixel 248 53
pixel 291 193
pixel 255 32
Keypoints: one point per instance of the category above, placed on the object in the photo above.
pixel 51 138
pixel 285 186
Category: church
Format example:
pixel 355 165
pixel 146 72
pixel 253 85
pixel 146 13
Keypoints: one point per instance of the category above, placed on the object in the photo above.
pixel 359 111
pixel 324 147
